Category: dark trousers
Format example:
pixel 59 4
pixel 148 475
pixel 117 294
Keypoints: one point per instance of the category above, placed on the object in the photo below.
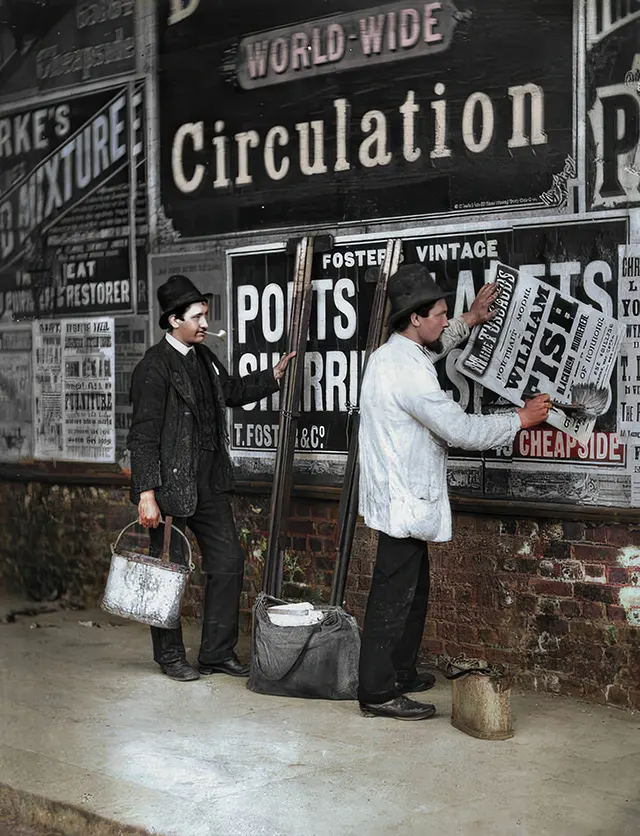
pixel 223 566
pixel 394 620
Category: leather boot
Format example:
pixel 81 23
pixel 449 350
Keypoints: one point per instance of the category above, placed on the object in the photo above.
pixel 399 708
pixel 181 670
pixel 422 682
pixel 168 645
pixel 231 666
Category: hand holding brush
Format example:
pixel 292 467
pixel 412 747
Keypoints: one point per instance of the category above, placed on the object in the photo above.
pixel 535 411
pixel 587 401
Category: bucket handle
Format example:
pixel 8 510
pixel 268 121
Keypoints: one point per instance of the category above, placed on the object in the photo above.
pixel 168 525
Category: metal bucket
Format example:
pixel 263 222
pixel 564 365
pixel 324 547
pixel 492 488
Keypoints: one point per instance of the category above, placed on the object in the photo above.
pixel 144 588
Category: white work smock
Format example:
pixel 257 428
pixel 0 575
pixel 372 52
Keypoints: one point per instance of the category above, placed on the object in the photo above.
pixel 407 423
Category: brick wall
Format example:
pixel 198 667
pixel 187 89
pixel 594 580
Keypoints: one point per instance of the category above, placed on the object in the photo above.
pixel 552 600
pixel 55 539
pixel 543 597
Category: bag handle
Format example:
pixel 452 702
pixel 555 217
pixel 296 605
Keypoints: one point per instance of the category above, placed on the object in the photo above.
pixel 261 610
pixel 168 525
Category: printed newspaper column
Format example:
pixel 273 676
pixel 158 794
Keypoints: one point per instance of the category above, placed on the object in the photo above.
pixel 47 389
pixel 89 402
pixel 629 363
pixel 16 416
pixel 131 344
pixel 74 389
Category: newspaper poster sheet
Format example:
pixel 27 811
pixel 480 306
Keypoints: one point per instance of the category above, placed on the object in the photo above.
pixel 131 344
pixel 541 340
pixel 16 417
pixel 89 403
pixel 74 389
pixel 47 388
pixel 629 365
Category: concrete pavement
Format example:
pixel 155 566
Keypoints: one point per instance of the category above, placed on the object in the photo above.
pixel 86 719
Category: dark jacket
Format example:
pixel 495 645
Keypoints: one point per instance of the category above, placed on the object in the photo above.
pixel 164 434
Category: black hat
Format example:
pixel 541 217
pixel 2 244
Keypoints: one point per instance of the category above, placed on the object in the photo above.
pixel 411 287
pixel 175 293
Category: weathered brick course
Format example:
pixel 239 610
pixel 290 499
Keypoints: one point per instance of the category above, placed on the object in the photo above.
pixel 540 596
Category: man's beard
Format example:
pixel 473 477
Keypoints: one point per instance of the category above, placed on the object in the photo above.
pixel 436 347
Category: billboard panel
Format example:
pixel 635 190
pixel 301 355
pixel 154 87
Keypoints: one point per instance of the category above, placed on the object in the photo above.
pixel 272 116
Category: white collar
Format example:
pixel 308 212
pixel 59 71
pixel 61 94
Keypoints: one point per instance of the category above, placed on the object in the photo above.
pixel 408 344
pixel 181 347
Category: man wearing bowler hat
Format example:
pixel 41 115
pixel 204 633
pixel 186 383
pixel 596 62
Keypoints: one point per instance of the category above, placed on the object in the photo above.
pixel 180 467
pixel 407 422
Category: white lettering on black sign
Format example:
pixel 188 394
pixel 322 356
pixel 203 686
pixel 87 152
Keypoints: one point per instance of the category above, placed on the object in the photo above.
pixel 318 146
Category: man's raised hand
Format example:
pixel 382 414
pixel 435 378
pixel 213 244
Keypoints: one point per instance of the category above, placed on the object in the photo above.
pixel 480 312
pixel 535 411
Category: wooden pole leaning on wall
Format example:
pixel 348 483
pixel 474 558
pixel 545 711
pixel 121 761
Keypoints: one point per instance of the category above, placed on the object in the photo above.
pixel 290 397
pixel 348 508
pixel 133 196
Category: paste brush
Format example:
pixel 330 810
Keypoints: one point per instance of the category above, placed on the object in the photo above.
pixel 588 401
pixel 591 400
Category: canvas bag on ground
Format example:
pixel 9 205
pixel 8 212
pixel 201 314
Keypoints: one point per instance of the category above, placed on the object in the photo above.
pixel 318 661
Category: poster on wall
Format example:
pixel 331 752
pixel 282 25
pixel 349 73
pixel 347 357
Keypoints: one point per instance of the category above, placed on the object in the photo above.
pixel 74 389
pixel 577 259
pixel 613 103
pixel 48 389
pixel 65 207
pixel 130 346
pixel 373 111
pixel 541 340
pixel 88 389
pixel 261 290
pixel 49 46
pixel 16 419
pixel 629 365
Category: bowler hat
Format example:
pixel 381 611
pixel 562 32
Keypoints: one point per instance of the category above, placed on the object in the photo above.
pixel 175 293
pixel 410 288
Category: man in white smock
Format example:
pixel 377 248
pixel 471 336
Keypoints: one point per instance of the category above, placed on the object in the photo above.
pixel 407 424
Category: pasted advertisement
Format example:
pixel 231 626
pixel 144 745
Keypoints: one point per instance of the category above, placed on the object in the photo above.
pixel 613 103
pixel 47 46
pixel 74 389
pixel 64 207
pixel 262 291
pixel 16 421
pixel 629 365
pixel 48 389
pixel 541 340
pixel 130 346
pixel 373 111
pixel 578 260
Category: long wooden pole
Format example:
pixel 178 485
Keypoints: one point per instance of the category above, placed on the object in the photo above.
pixel 348 508
pixel 133 197
pixel 289 414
